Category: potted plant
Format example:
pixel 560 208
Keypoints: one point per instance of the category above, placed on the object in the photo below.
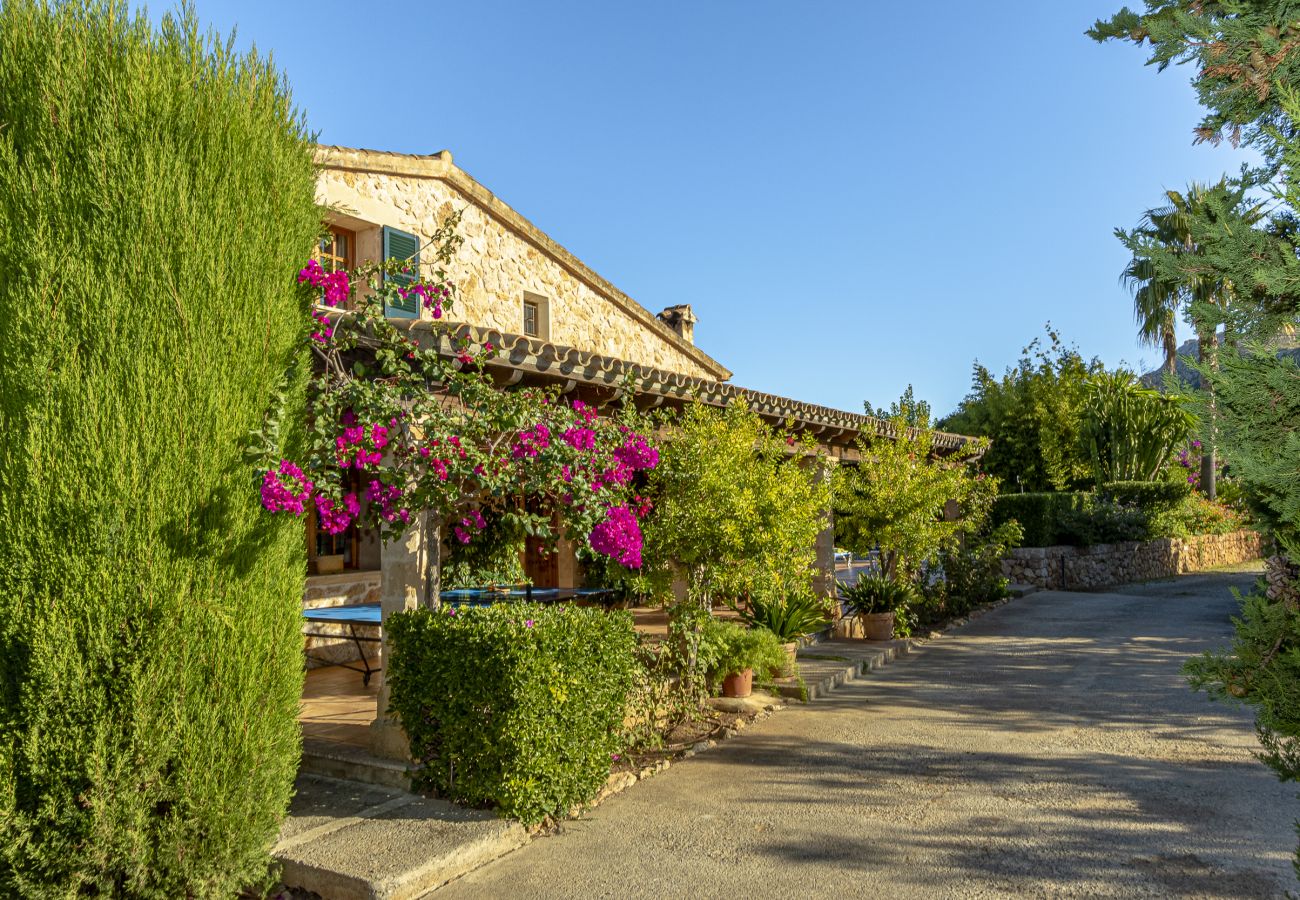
pixel 876 600
pixel 328 564
pixel 788 618
pixel 739 651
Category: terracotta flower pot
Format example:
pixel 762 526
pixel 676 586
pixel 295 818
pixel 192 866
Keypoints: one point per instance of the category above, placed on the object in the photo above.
pixel 878 626
pixel 738 684
pixel 791 650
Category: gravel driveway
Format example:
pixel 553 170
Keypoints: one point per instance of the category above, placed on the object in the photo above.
pixel 1049 748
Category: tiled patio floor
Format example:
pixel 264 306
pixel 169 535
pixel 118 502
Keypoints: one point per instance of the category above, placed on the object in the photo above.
pixel 338 708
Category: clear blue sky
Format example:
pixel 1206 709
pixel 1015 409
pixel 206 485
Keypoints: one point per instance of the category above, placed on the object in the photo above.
pixel 853 196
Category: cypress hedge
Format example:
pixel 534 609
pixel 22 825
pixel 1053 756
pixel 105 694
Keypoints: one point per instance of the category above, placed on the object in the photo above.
pixel 156 198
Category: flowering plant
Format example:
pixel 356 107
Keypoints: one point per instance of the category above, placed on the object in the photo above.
pixel 1189 460
pixel 406 418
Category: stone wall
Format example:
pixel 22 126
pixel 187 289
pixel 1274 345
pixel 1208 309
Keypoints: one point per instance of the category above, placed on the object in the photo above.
pixel 342 589
pixel 1106 565
pixel 502 258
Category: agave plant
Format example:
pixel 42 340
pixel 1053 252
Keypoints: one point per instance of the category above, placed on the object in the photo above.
pixel 789 617
pixel 877 594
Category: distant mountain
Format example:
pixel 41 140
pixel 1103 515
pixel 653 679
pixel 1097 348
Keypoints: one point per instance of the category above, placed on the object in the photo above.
pixel 1156 378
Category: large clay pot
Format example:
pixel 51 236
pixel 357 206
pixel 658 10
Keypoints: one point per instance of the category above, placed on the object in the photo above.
pixel 738 684
pixel 791 652
pixel 878 626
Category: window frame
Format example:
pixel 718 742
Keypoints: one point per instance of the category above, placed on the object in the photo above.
pixel 542 305
pixel 331 261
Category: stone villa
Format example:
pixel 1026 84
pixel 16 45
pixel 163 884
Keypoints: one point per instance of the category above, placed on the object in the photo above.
pixel 556 320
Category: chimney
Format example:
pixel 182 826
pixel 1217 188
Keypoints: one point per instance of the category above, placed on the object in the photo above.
pixel 681 320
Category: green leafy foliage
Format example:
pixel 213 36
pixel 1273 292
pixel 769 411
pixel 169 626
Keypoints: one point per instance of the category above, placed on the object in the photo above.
pixel 873 594
pixel 1149 495
pixel 156 197
pixel 1121 512
pixel 1244 55
pixel 1065 518
pixel 1258 417
pixel 517 706
pixel 1130 431
pixel 494 556
pixel 1033 415
pixel 789 617
pixel 737 506
pixel 971 567
pixel 1262 669
pixel 895 497
pixel 1193 515
pixel 736 648
pixel 1247 75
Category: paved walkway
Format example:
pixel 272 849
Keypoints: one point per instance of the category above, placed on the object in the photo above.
pixel 1049 748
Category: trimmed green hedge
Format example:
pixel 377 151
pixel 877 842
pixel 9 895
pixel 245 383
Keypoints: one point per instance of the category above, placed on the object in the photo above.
pixel 1121 511
pixel 1150 496
pixel 517 706
pixel 157 196
pixel 1041 515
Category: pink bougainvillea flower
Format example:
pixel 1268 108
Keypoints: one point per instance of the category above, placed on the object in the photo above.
pixel 618 537
pixel 335 519
pixel 285 488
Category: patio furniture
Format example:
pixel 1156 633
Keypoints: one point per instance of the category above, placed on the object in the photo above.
pixel 362 615
pixel 369 615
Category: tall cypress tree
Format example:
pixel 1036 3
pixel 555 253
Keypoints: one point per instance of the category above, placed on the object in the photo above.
pixel 156 197
pixel 1247 60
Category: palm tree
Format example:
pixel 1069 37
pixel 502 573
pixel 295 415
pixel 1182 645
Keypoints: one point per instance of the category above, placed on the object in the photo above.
pixel 1155 307
pixel 1161 291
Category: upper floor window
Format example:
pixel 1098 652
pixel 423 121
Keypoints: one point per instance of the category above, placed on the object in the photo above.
pixel 537 317
pixel 403 247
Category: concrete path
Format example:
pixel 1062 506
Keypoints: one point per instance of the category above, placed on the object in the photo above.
pixel 1049 748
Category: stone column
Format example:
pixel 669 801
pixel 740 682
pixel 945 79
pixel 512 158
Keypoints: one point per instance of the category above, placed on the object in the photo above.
pixel 404 564
pixel 824 579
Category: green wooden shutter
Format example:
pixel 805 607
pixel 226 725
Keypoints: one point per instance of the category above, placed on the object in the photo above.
pixel 406 247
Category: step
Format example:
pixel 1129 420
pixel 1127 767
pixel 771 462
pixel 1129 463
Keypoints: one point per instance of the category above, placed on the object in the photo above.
pixel 830 663
pixel 349 763
pixel 350 841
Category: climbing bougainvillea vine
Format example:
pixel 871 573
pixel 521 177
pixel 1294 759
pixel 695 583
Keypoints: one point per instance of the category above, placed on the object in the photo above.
pixel 400 426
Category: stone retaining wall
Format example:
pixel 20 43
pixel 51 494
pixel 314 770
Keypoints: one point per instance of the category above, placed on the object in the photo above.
pixel 342 589
pixel 1106 565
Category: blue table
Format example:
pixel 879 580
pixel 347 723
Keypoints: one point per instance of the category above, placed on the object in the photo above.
pixel 363 615
pixel 369 615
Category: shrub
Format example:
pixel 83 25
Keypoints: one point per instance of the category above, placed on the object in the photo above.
pixel 1130 431
pixel 1151 496
pixel 1196 515
pixel 972 574
pixel 156 198
pixel 1100 520
pixel 739 648
pixel 895 498
pixel 735 508
pixel 1039 514
pixel 517 706
pixel 789 617
pixel 878 594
